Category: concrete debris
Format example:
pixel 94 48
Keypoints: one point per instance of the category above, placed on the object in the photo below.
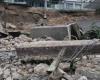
pixel 22 38
pixel 41 69
pixel 83 78
pixel 16 70
pixel 10 26
pixel 22 72
pixel 17 76
pixel 90 73
pixel 10 42
pixel 64 66
pixel 37 77
pixel 44 38
pixel 1 28
pixel 9 74
pixel 13 68
pixel 86 70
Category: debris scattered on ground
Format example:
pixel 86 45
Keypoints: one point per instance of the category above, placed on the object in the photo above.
pixel 12 67
pixel 41 69
pixel 16 70
pixel 83 78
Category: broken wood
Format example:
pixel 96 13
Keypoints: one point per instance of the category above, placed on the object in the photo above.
pixel 51 48
pixel 58 74
pixel 56 62
pixel 69 43
pixel 54 66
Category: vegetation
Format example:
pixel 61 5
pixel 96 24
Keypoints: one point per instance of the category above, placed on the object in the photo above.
pixel 94 32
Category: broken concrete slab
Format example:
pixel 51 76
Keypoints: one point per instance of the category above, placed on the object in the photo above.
pixel 41 69
pixel 90 73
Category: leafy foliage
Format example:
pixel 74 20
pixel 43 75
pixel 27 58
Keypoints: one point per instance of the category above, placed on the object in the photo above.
pixel 94 32
pixel 96 29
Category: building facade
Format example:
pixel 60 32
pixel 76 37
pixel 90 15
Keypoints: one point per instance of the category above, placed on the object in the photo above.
pixel 15 1
pixel 95 4
pixel 71 4
pixel 54 4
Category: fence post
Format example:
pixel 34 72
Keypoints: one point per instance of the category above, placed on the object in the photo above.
pixel 74 5
pixel 65 5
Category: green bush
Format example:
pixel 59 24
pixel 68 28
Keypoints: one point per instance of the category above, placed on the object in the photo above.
pixel 94 32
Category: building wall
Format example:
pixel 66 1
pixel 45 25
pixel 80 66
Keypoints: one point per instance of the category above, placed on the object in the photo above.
pixel 70 5
pixel 11 1
pixel 55 4
pixel 95 4
pixel 15 1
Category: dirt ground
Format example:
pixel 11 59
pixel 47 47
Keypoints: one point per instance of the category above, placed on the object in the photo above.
pixel 26 17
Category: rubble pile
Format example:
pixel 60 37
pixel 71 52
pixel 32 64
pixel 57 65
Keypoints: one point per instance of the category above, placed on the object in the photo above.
pixel 16 70
pixel 10 42
pixel 89 68
pixel 12 67
pixel 5 43
pixel 41 69
pixel 22 38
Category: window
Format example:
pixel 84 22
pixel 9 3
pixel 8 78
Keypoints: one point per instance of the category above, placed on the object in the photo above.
pixel 20 0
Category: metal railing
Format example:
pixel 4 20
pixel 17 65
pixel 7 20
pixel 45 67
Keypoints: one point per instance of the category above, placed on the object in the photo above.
pixel 61 5
pixel 52 4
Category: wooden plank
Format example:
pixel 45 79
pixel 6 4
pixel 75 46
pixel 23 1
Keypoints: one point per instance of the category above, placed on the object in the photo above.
pixel 55 64
pixel 51 48
pixel 70 43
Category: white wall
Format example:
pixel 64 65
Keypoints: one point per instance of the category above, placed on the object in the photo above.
pixel 11 1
